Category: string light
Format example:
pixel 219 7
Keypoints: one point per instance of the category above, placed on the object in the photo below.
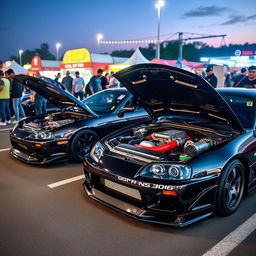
pixel 130 42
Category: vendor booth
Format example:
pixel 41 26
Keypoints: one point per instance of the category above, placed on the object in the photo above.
pixel 17 68
pixel 86 63
pixel 185 64
pixel 48 68
pixel 136 58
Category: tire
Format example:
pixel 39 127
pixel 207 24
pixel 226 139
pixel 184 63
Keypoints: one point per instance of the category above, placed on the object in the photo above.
pixel 230 189
pixel 81 144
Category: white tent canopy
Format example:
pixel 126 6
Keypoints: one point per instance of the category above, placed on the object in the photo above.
pixel 18 69
pixel 136 58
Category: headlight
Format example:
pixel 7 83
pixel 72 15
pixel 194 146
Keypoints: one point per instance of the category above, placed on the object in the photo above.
pixel 167 171
pixel 97 152
pixel 42 135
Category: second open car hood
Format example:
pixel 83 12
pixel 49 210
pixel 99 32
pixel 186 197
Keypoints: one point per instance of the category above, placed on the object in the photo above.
pixel 53 92
pixel 165 90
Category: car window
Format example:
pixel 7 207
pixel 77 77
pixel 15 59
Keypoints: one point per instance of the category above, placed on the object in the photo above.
pixel 243 107
pixel 105 101
pixel 132 102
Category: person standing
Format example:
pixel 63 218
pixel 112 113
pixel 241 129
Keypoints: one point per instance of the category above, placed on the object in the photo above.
pixel 16 94
pixel 40 101
pixel 228 82
pixel 78 86
pixel 241 76
pixel 95 82
pixel 113 82
pixel 210 77
pixel 4 99
pixel 67 81
pixel 104 81
pixel 250 80
pixel 57 77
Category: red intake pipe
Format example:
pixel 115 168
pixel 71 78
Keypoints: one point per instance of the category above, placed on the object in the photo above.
pixel 166 147
pixel 163 148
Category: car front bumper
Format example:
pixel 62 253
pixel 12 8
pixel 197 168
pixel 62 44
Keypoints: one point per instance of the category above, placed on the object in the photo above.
pixel 38 152
pixel 193 202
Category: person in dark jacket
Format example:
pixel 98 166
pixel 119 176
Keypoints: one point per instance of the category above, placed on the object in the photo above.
pixel 67 81
pixel 210 77
pixel 241 76
pixel 16 94
pixel 250 80
pixel 104 81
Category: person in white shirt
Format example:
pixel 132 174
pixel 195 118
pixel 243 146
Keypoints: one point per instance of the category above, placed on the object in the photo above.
pixel 78 86
pixel 113 82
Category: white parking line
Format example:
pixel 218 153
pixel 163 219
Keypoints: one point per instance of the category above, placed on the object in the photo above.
pixel 231 241
pixel 63 182
pixel 6 129
pixel 4 149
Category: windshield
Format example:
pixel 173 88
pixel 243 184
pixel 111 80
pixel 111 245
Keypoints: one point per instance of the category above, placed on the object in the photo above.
pixel 105 101
pixel 243 108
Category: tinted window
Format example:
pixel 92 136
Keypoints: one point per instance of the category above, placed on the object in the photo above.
pixel 243 107
pixel 105 101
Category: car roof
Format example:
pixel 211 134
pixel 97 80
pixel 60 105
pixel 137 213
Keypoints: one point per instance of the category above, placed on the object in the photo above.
pixel 238 91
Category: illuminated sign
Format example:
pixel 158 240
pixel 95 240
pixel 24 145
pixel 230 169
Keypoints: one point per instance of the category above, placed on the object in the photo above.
pixel 76 56
pixel 244 53
pixel 36 64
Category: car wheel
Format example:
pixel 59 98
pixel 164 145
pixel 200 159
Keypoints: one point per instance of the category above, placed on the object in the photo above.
pixel 230 189
pixel 81 144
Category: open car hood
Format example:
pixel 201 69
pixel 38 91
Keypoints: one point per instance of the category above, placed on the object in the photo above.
pixel 53 92
pixel 165 90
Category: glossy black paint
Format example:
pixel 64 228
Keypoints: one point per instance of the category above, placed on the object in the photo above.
pixel 152 85
pixel 195 197
pixel 25 149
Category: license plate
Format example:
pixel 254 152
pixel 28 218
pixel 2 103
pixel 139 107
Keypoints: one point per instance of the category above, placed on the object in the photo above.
pixel 122 189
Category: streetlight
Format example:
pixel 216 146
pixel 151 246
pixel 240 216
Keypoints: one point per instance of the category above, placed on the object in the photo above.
pixel 158 5
pixel 20 53
pixel 58 45
pixel 99 37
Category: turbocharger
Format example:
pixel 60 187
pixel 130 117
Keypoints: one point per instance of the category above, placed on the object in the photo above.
pixel 194 148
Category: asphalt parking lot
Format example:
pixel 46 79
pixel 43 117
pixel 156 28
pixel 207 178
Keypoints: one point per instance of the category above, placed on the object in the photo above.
pixel 38 220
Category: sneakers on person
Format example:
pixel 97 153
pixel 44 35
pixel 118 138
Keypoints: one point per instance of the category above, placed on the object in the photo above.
pixel 9 122
pixel 2 123
pixel 14 122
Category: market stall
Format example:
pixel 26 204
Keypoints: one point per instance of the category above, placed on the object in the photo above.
pixel 48 68
pixel 136 58
pixel 86 63
pixel 17 68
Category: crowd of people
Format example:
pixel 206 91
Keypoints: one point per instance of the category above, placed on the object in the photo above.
pixel 11 91
pixel 246 78
pixel 98 82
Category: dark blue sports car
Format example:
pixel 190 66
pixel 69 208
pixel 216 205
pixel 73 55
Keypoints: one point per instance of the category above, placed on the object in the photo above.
pixel 71 131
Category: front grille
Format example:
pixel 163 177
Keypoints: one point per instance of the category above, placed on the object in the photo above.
pixel 116 190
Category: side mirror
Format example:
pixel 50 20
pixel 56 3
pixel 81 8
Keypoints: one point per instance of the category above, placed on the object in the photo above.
pixel 124 110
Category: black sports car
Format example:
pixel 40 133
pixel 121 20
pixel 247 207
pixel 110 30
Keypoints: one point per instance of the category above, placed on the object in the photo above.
pixel 72 131
pixel 195 158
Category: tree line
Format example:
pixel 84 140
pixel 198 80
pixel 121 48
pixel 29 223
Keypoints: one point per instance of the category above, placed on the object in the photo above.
pixel 170 51
pixel 191 51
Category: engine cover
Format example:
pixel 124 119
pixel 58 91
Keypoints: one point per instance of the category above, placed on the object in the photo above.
pixel 167 136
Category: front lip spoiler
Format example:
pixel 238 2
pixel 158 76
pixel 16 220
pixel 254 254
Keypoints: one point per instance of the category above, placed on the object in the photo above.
pixel 61 158
pixel 144 215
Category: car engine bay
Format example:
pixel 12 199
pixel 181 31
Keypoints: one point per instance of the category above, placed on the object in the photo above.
pixel 51 121
pixel 146 144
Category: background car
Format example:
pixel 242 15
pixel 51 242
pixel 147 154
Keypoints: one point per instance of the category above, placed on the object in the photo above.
pixel 71 131
pixel 195 158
